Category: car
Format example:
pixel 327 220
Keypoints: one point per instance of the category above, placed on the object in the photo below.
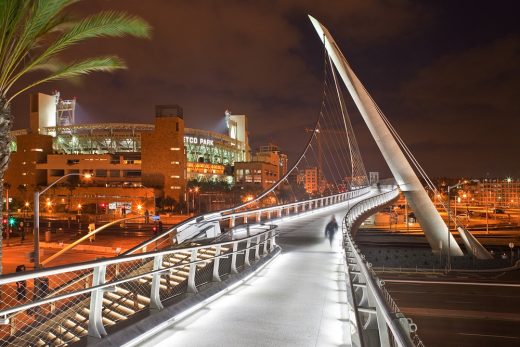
pixel 499 211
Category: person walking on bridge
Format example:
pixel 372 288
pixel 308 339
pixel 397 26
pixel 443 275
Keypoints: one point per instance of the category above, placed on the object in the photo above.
pixel 330 230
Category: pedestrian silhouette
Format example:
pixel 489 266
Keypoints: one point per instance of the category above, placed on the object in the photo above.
pixel 330 230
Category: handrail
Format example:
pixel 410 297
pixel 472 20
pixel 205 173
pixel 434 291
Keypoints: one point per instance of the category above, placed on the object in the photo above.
pixel 401 336
pixel 152 255
pixel 28 275
pixel 222 215
pixel 83 238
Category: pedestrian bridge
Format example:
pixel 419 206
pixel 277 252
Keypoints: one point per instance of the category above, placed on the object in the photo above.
pixel 260 273
pixel 277 281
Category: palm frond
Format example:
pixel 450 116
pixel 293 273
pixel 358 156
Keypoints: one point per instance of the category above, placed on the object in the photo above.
pixel 107 64
pixel 31 21
pixel 26 27
pixel 104 24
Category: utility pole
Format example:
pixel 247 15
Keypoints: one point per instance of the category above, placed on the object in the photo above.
pixel 7 226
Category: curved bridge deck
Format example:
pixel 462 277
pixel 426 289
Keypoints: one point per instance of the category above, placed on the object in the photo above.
pixel 299 299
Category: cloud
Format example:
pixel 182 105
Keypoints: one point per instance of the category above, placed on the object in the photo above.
pixel 262 58
pixel 466 100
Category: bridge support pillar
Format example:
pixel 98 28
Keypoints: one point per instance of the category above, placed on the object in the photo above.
pixel 435 229
pixel 192 287
pixel 216 264
pixel 95 316
pixel 155 298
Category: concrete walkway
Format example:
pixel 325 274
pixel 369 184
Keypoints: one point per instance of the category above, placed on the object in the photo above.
pixel 299 299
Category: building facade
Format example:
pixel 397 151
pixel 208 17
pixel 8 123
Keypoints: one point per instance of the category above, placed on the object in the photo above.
pixel 160 156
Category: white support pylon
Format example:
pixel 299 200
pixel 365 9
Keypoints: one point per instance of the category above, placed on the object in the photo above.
pixel 435 229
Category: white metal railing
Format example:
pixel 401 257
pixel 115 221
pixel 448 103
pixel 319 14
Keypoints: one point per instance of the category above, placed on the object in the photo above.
pixel 116 288
pixel 378 319
pixel 259 215
pixel 89 296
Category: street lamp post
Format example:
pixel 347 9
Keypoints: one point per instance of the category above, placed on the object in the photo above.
pixel 153 196
pixel 37 215
pixel 448 265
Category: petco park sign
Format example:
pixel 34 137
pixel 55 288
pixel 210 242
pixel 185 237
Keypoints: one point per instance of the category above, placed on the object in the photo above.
pixel 198 141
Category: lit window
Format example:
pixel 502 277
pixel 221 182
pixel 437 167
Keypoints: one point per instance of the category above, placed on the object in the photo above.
pixel 175 162
pixel 36 150
pixel 175 149
pixel 174 176
pixel 175 187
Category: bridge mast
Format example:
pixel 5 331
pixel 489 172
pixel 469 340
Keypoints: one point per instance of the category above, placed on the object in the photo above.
pixel 434 227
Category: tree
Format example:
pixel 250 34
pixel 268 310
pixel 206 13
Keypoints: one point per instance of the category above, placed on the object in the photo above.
pixel 33 34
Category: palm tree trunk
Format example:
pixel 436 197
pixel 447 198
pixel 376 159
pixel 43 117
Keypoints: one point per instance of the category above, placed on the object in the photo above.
pixel 6 121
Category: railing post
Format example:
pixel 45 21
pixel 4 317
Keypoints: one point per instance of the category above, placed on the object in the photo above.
pixel 155 297
pixel 269 215
pixel 246 259
pixel 245 219
pixel 231 221
pixel 273 240
pixel 381 323
pixel 192 288
pixel 266 238
pixel 216 264
pixel 234 258
pixel 259 217
pixel 280 213
pixel 257 248
pixel 95 316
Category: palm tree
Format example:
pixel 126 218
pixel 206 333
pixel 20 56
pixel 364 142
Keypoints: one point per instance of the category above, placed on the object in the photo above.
pixel 33 34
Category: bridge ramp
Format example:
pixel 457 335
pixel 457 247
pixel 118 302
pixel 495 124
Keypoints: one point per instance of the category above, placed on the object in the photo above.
pixel 297 300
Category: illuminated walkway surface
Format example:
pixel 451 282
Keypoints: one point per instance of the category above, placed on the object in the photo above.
pixel 297 300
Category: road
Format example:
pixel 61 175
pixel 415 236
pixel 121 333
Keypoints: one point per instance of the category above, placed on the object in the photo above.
pixel 17 253
pixel 451 314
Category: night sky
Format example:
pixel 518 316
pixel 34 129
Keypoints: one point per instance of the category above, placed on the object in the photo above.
pixel 446 73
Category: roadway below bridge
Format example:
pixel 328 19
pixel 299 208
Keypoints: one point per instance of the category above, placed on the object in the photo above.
pixel 299 299
pixel 461 309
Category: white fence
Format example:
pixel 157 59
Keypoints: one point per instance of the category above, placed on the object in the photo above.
pixel 378 319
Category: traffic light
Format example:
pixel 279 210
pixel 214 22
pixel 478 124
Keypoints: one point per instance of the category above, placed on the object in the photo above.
pixel 4 220
pixel 102 207
pixel 12 221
